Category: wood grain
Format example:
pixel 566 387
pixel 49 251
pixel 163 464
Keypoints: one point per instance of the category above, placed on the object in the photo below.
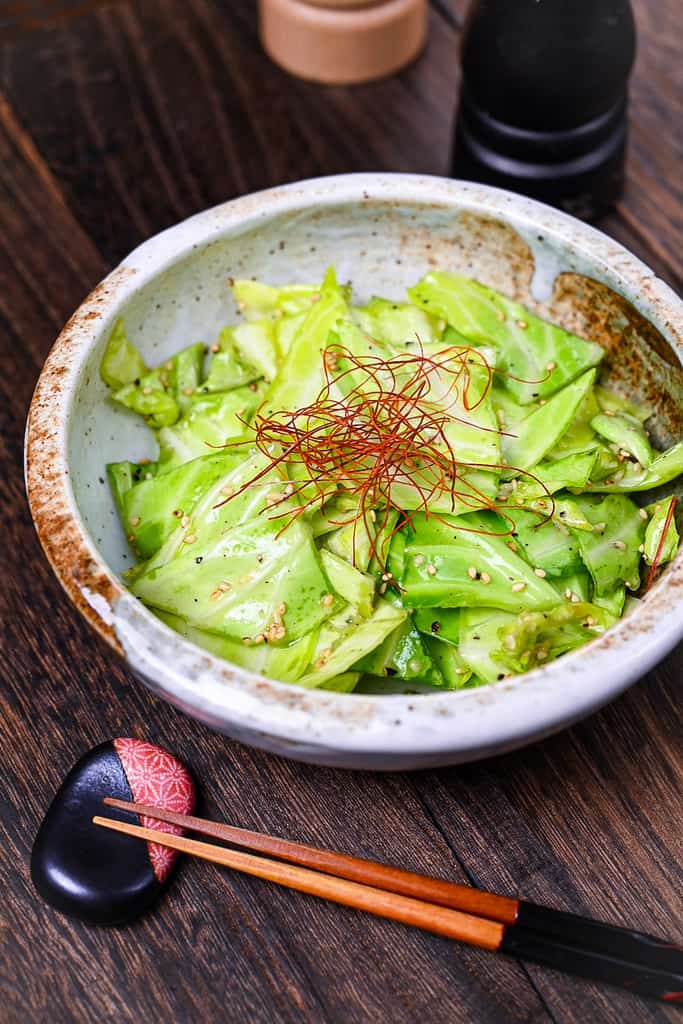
pixel 114 124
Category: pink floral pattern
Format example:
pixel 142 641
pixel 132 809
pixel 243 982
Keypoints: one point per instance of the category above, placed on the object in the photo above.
pixel 156 777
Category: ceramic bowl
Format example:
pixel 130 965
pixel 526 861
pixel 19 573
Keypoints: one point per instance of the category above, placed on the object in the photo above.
pixel 382 232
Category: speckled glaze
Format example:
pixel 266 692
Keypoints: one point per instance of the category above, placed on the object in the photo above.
pixel 382 232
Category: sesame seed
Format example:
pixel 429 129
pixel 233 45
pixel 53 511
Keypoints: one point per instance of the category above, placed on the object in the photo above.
pixel 575 598
pixel 509 643
pixel 135 521
pixel 215 594
pixel 441 326
pixel 383 588
pixel 641 548
pixel 485 578
pixel 188 391
pixel 247 578
pixel 169 365
pixel 178 512
pixel 609 412
pixel 599 527
pixel 289 489
pixel 147 390
pixel 541 654
pixel 189 539
pixel 328 600
pixel 215 347
pixel 544 401
pixel 240 307
pixel 184 521
pixel 472 573
pixel 590 621
pixel 273 499
pixel 551 366
pixel 519 585
pixel 130 538
pixel 419 559
pixel 620 545
pixel 431 569
pixel 568 594
pixel 522 324
pixel 414 665
pixel 541 573
pixel 511 544
pixel 501 315
pixel 373 515
pixel 643 513
pixel 228 490
pixel 281 608
pixel 148 476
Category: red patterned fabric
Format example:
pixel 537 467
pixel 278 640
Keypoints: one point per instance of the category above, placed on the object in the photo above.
pixel 156 777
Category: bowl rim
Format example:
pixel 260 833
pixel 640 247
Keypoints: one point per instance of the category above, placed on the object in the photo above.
pixel 283 716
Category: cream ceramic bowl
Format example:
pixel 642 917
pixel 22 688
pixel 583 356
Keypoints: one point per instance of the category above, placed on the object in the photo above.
pixel 382 232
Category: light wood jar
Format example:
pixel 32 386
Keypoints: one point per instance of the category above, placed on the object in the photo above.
pixel 340 42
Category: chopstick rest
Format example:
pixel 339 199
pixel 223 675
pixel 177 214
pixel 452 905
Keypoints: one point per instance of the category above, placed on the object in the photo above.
pixel 98 876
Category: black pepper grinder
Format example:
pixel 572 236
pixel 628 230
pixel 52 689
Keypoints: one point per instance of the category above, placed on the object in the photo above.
pixel 543 107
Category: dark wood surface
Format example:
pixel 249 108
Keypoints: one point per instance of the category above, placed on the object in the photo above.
pixel 117 120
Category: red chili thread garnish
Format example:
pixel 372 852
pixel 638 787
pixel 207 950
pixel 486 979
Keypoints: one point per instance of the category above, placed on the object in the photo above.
pixel 660 547
pixel 379 425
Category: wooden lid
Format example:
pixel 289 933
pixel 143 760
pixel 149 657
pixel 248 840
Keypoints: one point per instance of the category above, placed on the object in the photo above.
pixel 340 42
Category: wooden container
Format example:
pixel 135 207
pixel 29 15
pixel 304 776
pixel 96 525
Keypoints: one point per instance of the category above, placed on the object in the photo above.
pixel 340 42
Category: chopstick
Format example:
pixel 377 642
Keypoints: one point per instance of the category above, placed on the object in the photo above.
pixel 553 938
pixel 570 928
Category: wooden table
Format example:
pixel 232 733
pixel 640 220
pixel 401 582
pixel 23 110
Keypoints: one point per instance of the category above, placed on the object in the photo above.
pixel 117 120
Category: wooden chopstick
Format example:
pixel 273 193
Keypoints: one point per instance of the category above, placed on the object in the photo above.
pixel 355 869
pixel 554 938
pixel 477 931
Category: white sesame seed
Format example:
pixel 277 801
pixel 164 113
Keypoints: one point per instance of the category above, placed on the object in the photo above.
pixel 643 513
pixel 281 608
pixel 215 347
pixel 541 654
pixel 519 585
pixel 228 490
pixel 590 621
pixel 568 594
pixel 620 545
pixel 509 643
pixel 472 573
pixel 641 548
pixel 185 520
pixel 599 527
pixel 328 600
pixel 147 390
pixel 485 578
pixel 609 412
pixel 189 539
pixel 431 569
pixel 414 665
pixel 541 573
pixel 501 315
pixel 551 366
pixel 522 324
pixel 247 578
pixel 419 560
pixel 575 598
pixel 188 391
pixel 511 544
pixel 135 521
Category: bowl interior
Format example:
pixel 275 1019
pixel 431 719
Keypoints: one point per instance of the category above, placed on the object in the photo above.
pixel 380 246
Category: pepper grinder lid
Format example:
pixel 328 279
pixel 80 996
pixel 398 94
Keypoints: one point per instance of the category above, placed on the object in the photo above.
pixel 341 42
pixel 544 98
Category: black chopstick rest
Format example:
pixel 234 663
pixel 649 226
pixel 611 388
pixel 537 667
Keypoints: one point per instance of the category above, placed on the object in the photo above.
pixel 99 876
